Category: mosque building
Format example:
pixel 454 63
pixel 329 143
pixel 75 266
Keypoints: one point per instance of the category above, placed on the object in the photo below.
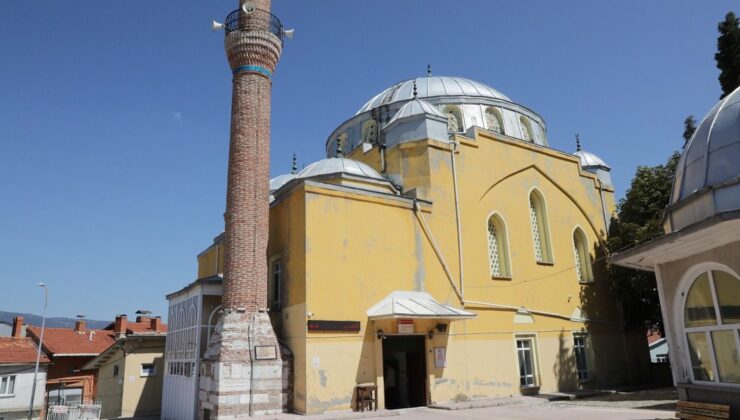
pixel 442 251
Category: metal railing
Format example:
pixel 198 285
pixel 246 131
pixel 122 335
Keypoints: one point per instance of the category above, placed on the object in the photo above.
pixel 88 410
pixel 258 20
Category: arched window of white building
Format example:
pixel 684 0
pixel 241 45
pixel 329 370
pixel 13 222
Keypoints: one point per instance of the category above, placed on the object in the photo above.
pixel 584 270
pixel 526 128
pixel 494 122
pixel 712 327
pixel 540 230
pixel 498 249
pixel 454 118
pixel 342 144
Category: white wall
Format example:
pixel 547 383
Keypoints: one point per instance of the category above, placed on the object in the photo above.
pixel 22 394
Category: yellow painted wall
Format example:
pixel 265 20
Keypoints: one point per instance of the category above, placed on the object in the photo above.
pixel 131 394
pixel 344 250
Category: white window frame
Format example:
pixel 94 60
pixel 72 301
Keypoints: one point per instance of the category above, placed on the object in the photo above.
pixel 524 122
pixel 503 248
pixel 461 121
pixel 146 374
pixel 532 338
pixel 682 293
pixel 498 115
pixel 548 257
pixel 587 268
pixel 5 381
pixel 583 375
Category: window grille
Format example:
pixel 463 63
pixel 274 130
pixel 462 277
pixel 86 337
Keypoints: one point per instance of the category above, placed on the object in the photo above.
pixel 493 251
pixel 579 269
pixel 534 220
pixel 579 348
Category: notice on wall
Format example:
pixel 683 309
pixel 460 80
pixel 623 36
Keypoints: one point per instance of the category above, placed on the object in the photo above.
pixel 265 352
pixel 440 357
pixel 405 326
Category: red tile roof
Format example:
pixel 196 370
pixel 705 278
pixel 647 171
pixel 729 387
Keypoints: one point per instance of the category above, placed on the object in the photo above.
pixel 15 350
pixel 143 327
pixel 60 341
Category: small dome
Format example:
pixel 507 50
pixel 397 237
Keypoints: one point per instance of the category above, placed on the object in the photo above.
pixel 338 165
pixel 709 167
pixel 433 86
pixel 590 160
pixel 279 181
pixel 416 107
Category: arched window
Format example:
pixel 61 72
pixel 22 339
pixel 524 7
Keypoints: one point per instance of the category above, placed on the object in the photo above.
pixel 494 122
pixel 712 326
pixel 370 132
pixel 584 270
pixel 454 118
pixel 498 255
pixel 342 144
pixel 526 128
pixel 540 230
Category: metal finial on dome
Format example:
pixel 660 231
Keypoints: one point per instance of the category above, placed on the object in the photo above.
pixel 294 167
pixel 578 142
pixel 340 152
pixel 429 70
pixel 415 93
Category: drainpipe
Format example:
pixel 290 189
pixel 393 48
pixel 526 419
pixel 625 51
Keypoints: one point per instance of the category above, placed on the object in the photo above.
pixel 533 311
pixel 428 232
pixel 453 150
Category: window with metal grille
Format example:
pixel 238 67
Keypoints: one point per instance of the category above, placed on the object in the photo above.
pixel 498 257
pixel 579 349
pixel 525 353
pixel 494 122
pixel 538 222
pixel 584 270
pixel 276 278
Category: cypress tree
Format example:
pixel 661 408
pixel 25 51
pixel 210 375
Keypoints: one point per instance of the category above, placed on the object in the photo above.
pixel 728 53
pixel 689 126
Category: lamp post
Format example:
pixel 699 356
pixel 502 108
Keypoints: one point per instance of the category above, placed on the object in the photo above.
pixel 38 352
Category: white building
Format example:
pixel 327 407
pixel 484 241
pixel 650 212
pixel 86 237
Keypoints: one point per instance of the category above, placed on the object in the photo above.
pixel 17 361
pixel 191 310
pixel 696 262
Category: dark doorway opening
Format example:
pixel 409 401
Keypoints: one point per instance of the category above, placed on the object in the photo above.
pixel 404 371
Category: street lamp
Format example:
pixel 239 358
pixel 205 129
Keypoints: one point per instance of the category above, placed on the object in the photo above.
pixel 38 352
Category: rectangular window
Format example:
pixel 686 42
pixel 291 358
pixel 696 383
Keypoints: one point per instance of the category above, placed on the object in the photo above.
pixel 115 371
pixel 276 278
pixel 525 353
pixel 7 385
pixel 579 348
pixel 148 369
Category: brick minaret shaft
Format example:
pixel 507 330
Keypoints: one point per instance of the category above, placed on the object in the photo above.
pixel 245 371
pixel 253 56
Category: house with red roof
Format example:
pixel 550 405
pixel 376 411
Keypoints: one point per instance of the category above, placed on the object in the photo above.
pixel 17 363
pixel 130 372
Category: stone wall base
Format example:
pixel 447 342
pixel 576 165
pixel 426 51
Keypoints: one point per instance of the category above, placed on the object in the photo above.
pixel 245 371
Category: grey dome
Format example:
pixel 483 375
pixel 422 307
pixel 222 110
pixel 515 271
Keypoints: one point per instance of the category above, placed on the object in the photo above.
pixel 416 107
pixel 590 160
pixel 279 181
pixel 432 86
pixel 338 165
pixel 707 178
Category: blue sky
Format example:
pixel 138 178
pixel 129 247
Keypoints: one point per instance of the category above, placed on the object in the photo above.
pixel 114 116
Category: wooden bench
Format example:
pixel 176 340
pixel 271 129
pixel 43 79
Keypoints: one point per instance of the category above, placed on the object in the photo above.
pixel 693 410
pixel 367 397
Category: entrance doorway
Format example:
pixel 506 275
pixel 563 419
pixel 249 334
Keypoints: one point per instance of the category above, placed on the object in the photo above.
pixel 404 371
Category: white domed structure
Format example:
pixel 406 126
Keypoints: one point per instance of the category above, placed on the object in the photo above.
pixel 280 180
pixel 463 102
pixel 707 180
pixel 339 165
pixel 594 164
pixel 433 87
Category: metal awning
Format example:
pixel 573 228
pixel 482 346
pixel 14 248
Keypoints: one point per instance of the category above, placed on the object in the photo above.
pixel 403 304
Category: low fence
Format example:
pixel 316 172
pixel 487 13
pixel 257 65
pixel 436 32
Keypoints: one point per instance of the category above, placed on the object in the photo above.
pixel 88 410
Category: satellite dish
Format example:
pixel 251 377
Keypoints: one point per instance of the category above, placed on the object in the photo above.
pixel 216 26
pixel 289 33
pixel 248 7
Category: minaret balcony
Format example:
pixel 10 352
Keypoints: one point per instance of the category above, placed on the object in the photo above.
pixel 257 20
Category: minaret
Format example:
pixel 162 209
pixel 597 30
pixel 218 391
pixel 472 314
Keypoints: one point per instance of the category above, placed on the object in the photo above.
pixel 242 371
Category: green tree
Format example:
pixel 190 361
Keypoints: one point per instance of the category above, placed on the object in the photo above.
pixel 640 214
pixel 728 54
pixel 689 126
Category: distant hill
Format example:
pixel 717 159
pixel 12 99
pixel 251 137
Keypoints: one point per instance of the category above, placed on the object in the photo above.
pixel 35 320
